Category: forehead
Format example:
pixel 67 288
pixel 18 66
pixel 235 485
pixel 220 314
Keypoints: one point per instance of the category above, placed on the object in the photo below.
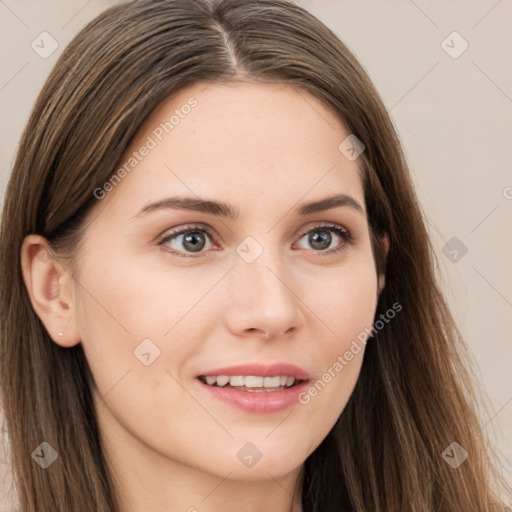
pixel 238 141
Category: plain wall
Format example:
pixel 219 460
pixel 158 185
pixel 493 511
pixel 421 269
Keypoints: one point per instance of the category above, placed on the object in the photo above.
pixel 453 113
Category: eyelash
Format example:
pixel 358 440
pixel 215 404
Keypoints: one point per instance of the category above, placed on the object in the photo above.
pixel 343 233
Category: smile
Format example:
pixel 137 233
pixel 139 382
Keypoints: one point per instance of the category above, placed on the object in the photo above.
pixel 250 382
pixel 255 388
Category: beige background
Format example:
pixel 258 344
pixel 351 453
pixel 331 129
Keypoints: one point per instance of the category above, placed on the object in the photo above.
pixel 454 116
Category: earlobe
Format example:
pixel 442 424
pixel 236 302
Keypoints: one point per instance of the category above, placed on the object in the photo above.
pixel 381 284
pixel 48 285
pixel 384 241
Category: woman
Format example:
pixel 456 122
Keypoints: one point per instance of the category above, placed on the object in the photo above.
pixel 218 289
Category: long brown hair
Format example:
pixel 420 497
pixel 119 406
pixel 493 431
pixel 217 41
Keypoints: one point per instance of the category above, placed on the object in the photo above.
pixel 415 394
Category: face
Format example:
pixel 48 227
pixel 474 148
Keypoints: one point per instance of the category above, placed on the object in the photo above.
pixel 268 296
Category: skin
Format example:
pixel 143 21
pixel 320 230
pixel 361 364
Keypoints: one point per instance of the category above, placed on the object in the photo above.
pixel 265 150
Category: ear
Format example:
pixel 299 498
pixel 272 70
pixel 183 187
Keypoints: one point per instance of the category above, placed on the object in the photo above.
pixel 50 288
pixel 384 241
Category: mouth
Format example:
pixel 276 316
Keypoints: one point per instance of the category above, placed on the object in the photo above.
pixel 251 383
pixel 256 388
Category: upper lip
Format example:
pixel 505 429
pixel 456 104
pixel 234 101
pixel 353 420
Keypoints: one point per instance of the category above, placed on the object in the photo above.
pixel 263 370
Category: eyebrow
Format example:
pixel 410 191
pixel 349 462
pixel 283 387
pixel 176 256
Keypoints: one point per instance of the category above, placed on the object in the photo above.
pixel 221 209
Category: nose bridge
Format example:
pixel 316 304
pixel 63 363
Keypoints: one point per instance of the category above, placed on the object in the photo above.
pixel 262 296
pixel 259 265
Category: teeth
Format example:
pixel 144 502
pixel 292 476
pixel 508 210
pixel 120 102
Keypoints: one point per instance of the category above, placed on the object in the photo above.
pixel 271 382
pixel 222 380
pixel 236 380
pixel 250 381
pixel 253 382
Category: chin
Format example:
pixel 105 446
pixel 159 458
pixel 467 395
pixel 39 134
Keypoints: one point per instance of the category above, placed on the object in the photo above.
pixel 266 463
pixel 262 472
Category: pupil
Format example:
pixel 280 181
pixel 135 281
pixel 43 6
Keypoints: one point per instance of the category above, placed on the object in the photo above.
pixel 325 239
pixel 191 239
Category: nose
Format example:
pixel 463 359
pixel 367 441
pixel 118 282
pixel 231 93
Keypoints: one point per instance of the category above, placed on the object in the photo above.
pixel 263 301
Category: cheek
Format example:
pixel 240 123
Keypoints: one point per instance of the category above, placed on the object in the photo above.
pixel 346 303
pixel 143 297
pixel 143 319
pixel 347 310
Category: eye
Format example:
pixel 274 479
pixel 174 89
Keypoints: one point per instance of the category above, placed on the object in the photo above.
pixel 191 239
pixel 320 238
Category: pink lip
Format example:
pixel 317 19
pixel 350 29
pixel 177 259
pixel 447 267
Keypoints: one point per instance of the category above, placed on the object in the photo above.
pixel 263 401
pixel 272 370
pixel 257 402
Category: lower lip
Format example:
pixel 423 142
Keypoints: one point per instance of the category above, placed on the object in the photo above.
pixel 258 402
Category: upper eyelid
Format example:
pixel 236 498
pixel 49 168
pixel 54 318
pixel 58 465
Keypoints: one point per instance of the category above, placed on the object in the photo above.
pixel 179 231
pixel 327 225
